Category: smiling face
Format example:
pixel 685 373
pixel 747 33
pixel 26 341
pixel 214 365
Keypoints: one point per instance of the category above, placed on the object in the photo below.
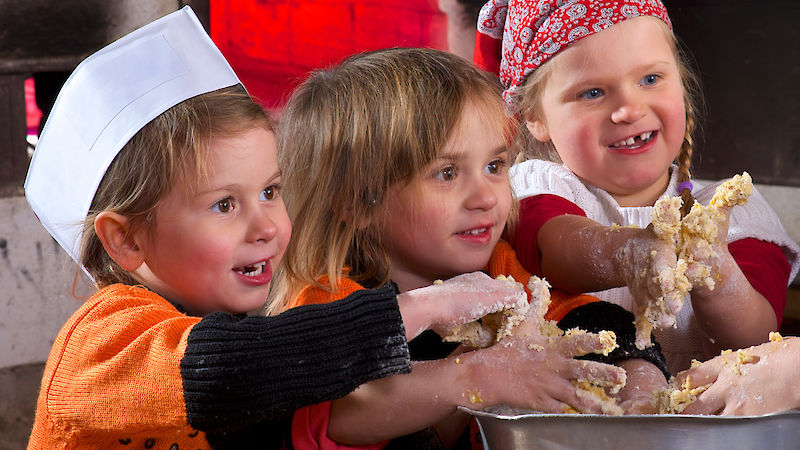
pixel 449 218
pixel 613 107
pixel 216 242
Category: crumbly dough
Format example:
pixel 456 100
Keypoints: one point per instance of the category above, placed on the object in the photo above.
pixel 473 334
pixel 608 404
pixel 608 338
pixel 493 328
pixel 674 399
pixel 733 192
pixel 774 336
pixel 674 287
pixel 694 237
pixel 667 218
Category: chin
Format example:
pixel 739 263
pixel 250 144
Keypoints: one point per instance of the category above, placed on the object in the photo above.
pixel 476 267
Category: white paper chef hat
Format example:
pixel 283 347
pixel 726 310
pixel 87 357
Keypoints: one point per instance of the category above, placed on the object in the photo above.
pixel 108 98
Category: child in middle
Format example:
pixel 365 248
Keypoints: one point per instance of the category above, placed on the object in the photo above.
pixel 395 170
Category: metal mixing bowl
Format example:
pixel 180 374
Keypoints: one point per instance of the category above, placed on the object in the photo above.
pixel 506 431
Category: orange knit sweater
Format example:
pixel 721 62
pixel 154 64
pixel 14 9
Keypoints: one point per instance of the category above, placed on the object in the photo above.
pixel 113 376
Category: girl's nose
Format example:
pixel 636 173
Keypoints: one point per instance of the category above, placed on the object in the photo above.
pixel 482 196
pixel 630 109
pixel 262 227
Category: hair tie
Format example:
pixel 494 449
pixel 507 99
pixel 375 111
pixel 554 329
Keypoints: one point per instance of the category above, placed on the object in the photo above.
pixel 684 185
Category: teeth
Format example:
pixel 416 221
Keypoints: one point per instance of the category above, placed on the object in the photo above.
pixel 252 271
pixel 644 137
pixel 475 232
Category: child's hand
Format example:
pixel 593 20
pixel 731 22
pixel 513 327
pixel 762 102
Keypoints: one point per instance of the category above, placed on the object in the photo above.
pixel 459 300
pixel 525 369
pixel 705 246
pixel 649 266
pixel 644 380
pixel 757 380
pixel 721 293
pixel 530 371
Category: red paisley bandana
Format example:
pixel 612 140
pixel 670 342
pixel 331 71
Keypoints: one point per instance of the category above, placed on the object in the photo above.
pixel 517 36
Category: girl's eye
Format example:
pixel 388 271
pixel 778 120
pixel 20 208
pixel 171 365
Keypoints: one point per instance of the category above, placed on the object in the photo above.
pixel 270 192
pixel 649 80
pixel 446 174
pixel 223 206
pixel 592 94
pixel 496 167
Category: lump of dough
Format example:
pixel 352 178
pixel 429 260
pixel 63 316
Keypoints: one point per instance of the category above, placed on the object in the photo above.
pixel 694 237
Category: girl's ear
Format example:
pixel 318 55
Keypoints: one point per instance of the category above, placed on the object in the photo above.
pixel 538 129
pixel 114 232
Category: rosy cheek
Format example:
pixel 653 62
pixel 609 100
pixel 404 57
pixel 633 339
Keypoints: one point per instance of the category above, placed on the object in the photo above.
pixel 437 216
pixel 211 254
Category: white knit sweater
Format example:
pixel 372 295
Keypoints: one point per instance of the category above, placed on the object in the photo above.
pixel 755 219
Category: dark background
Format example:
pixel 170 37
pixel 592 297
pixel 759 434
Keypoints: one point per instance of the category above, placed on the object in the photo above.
pixel 746 54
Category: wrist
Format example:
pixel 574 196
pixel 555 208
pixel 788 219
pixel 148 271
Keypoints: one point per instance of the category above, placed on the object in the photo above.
pixel 412 309
pixel 456 379
pixel 625 247
pixel 474 384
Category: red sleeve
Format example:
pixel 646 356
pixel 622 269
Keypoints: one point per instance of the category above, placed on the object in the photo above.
pixel 766 268
pixel 310 430
pixel 533 213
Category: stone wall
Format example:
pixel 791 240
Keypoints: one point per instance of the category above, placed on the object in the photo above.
pixel 36 285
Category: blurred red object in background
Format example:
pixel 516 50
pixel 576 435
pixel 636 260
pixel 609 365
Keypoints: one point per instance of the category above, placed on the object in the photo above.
pixel 33 115
pixel 274 44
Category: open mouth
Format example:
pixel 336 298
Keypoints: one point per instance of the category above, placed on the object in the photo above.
pixel 251 271
pixel 634 141
pixel 474 232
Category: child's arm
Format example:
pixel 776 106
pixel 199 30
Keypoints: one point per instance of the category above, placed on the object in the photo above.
pixel 632 256
pixel 321 352
pixel 733 300
pixel 757 380
pixel 580 255
pixel 270 366
pixel 523 372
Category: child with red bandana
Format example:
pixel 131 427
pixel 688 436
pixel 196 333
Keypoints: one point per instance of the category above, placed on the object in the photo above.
pixel 607 108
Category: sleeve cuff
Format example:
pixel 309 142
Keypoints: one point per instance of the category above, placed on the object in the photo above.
pixel 598 316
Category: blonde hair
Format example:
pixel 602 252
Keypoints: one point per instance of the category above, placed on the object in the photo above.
pixel 529 106
pixel 172 146
pixel 350 133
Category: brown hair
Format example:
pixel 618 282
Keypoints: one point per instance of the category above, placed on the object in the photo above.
pixel 529 106
pixel 172 146
pixel 350 133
